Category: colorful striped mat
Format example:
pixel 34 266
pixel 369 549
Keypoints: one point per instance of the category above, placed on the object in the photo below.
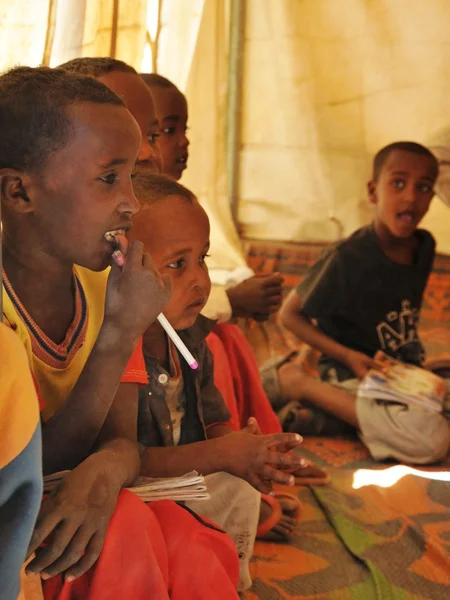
pixel 370 542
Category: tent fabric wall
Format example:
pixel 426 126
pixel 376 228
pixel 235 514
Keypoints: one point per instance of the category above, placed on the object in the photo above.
pixel 23 30
pixel 83 28
pixel 206 92
pixel 326 84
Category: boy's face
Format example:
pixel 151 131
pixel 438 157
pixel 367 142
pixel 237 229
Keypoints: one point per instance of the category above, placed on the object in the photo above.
pixel 85 190
pixel 172 112
pixel 403 192
pixel 138 99
pixel 176 234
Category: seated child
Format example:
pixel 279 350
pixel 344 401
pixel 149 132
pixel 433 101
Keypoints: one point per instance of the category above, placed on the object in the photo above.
pixel 256 297
pixel 249 295
pixel 182 417
pixel 124 81
pixel 365 295
pixel 67 152
pixel 20 460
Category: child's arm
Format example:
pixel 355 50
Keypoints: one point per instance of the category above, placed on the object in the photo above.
pixel 218 430
pixel 77 514
pixel 70 434
pixel 293 318
pixel 257 297
pixel 68 437
pixel 256 458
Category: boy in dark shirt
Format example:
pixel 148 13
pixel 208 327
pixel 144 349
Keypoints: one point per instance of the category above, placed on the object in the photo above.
pixel 365 295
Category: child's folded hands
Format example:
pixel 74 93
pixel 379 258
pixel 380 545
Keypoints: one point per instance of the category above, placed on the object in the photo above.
pixel 261 459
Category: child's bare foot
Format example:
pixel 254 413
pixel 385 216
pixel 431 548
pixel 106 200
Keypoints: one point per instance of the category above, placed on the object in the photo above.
pixel 279 517
pixel 298 418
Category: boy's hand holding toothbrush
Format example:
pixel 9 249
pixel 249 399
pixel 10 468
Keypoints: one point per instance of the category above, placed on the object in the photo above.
pixel 136 292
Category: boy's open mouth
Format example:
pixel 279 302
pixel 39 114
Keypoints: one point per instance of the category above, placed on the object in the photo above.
pixel 407 217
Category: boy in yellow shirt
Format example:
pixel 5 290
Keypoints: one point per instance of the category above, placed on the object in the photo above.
pixel 67 152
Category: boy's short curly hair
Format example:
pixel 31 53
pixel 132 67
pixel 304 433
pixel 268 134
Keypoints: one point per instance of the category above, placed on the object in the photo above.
pixel 33 112
pixel 151 187
pixel 97 66
pixel 413 147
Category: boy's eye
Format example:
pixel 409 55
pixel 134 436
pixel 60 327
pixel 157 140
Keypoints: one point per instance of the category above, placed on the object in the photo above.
pixel 398 183
pixel 169 130
pixel 110 179
pixel 425 188
pixel 176 264
pixel 203 257
pixel 153 138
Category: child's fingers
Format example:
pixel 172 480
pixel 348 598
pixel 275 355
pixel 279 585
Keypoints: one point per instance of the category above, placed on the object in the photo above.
pixel 281 460
pixel 71 555
pixel 47 522
pixel 270 473
pixel 253 426
pixel 147 261
pixel 373 364
pixel 88 559
pixel 274 280
pixel 287 447
pixel 264 487
pixel 291 440
pixel 54 549
pixel 273 302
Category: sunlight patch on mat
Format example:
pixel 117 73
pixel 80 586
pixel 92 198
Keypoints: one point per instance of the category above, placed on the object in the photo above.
pixel 388 477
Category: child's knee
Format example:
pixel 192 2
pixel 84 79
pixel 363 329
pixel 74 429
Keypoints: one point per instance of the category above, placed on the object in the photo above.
pixel 437 440
pixel 408 435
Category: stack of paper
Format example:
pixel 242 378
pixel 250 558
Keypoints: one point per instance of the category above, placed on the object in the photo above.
pixel 191 486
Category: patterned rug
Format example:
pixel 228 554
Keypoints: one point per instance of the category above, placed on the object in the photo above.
pixel 368 542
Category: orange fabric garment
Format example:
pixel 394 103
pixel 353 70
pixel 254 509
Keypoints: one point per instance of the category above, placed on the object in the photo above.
pixel 155 551
pixel 237 377
pixel 135 371
pixel 57 367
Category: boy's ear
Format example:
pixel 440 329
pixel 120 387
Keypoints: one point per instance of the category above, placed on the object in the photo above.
pixel 372 191
pixel 13 191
